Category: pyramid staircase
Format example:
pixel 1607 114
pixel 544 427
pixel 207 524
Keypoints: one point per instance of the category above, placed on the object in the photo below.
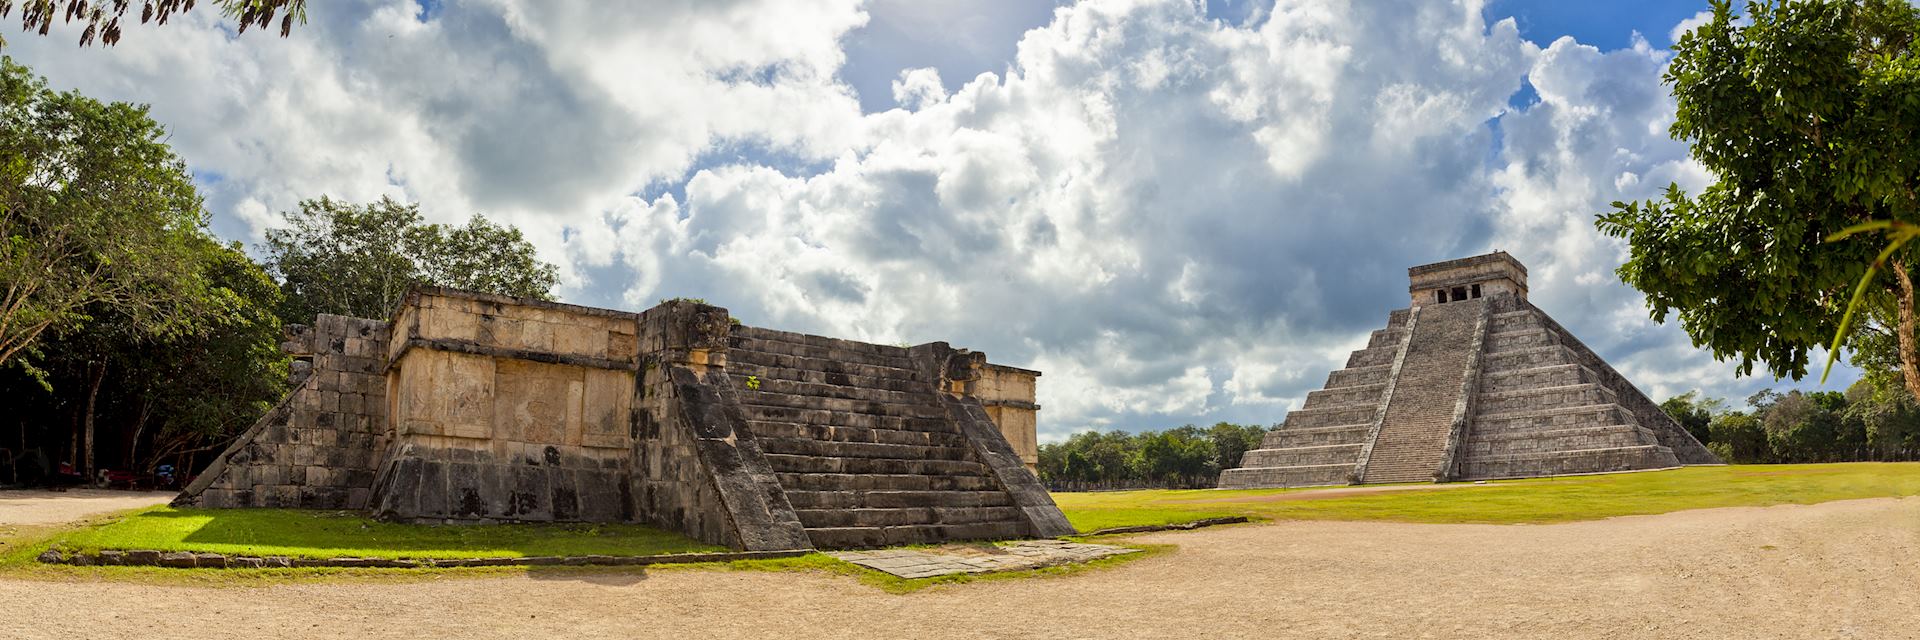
pixel 1481 388
pixel 862 445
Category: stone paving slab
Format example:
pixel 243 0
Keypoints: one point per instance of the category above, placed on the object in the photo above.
pixel 955 559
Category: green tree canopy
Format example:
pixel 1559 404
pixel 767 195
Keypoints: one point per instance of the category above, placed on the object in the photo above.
pixel 357 260
pixel 96 213
pixel 1805 112
pixel 103 17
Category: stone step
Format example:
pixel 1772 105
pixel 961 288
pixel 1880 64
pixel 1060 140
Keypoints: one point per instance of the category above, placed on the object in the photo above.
pixel 868 537
pixel 839 465
pixel 812 447
pixel 1530 465
pixel 892 517
pixel 895 499
pixel 1301 476
pixel 1595 415
pixel 835 433
pixel 823 417
pixel 1547 440
pixel 1389 337
pixel 1502 341
pixel 1287 438
pixel 792 481
pixel 813 376
pixel 1572 395
pixel 1513 321
pixel 773 361
pixel 1359 376
pixel 922 394
pixel 1549 376
pixel 1368 395
pixel 776 335
pixel 1302 456
pixel 750 398
pixel 1527 358
pixel 1372 356
pixel 882 357
pixel 1310 418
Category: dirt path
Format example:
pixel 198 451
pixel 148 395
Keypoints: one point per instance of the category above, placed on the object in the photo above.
pixel 1837 570
pixel 28 507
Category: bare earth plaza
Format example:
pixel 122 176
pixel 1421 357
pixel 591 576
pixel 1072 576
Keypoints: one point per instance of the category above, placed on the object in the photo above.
pixel 997 319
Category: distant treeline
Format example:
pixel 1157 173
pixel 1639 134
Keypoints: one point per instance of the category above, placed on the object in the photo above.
pixel 1187 457
pixel 1865 423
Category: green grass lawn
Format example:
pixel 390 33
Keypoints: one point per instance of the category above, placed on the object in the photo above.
pixel 1540 500
pixel 327 534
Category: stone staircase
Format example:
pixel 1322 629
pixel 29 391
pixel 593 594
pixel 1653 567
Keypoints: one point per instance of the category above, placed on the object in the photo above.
pixel 1542 410
pixel 861 444
pixel 1412 443
pixel 1320 443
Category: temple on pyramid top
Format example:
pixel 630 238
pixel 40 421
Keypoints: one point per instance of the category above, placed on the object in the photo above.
pixel 1469 382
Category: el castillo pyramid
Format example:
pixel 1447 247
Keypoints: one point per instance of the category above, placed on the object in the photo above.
pixel 1470 382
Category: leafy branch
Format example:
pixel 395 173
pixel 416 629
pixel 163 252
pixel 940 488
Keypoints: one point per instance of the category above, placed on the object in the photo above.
pixel 1898 234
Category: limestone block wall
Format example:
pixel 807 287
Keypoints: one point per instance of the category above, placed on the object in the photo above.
pixel 507 410
pixel 1008 394
pixel 317 448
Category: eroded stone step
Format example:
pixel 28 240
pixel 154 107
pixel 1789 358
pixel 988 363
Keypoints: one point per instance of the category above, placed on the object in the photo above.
pixel 793 463
pixel 884 482
pixel 1389 337
pixel 811 376
pixel 817 403
pixel 1527 358
pixel 890 357
pixel 836 433
pixel 1286 438
pixel 1372 356
pixel 895 499
pixel 1359 376
pixel 1537 377
pixel 1530 465
pixel 784 361
pixel 1345 397
pixel 1573 395
pixel 823 417
pixel 836 518
pixel 1596 415
pixel 1301 456
pixel 789 387
pixel 1296 476
pixel 868 537
pixel 1502 341
pixel 776 335
pixel 811 447
pixel 1549 440
pixel 1310 418
pixel 1513 321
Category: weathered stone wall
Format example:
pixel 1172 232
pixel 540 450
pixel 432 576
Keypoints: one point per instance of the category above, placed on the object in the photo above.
pixel 1495 272
pixel 318 447
pixel 506 409
pixel 1008 394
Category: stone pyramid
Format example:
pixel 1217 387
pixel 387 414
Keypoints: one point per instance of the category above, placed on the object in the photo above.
pixel 1471 382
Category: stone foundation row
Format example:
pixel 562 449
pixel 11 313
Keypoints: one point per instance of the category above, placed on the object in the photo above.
pixel 190 560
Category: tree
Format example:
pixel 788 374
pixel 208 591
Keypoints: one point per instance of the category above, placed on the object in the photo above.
pixel 96 213
pixel 1231 441
pixel 357 260
pixel 1694 413
pixel 1805 113
pixel 1740 438
pixel 103 17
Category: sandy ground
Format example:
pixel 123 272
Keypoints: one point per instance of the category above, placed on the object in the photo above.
pixel 36 506
pixel 1836 570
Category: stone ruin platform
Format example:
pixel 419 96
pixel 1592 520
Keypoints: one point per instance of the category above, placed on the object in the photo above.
pixel 477 408
pixel 1471 382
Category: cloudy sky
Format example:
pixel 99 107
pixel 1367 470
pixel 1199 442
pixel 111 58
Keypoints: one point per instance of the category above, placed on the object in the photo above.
pixel 1180 211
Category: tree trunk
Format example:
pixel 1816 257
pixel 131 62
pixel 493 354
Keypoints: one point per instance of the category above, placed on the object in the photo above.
pixel 93 396
pixel 1909 351
pixel 139 425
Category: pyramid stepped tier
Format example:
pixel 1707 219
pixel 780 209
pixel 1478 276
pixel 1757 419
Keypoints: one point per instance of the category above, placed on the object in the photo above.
pixel 1542 410
pixel 1470 382
pixel 1320 443
pixel 862 445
